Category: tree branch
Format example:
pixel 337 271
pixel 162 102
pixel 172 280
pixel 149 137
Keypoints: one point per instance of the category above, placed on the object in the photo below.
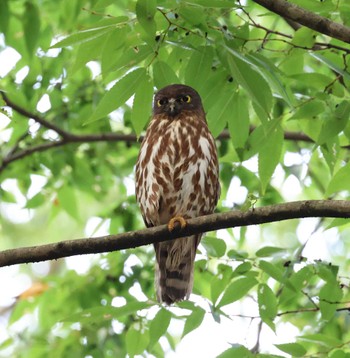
pixel 287 211
pixel 37 118
pixel 307 18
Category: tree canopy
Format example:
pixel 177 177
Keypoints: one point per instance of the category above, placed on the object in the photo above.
pixel 77 82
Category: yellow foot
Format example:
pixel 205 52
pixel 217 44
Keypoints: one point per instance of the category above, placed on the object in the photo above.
pixel 174 220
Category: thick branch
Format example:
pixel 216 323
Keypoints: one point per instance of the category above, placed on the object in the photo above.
pixel 293 210
pixel 307 18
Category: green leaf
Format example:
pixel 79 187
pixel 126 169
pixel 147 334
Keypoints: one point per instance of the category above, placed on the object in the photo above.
pixel 340 181
pixel 37 200
pixel 118 94
pixel 236 351
pixel 273 75
pixel 268 251
pixel 236 290
pixel 335 124
pixel 304 37
pixel 113 48
pixel 132 56
pixel 251 80
pixel 136 340
pixel 81 37
pixel 309 110
pixel 220 113
pixel 199 66
pixel 67 200
pixel 159 325
pixel 194 320
pixel 145 11
pixel 98 314
pixel 87 51
pixel 339 353
pixel 267 303
pixel 142 106
pixel 272 270
pixel 295 349
pixel 238 122
pixel 4 16
pixel 243 268
pixel 259 138
pixel 215 247
pixel 31 26
pixel 331 64
pixel 329 295
pixel 163 75
pixel 7 196
pixel 193 15
pixel 109 22
pixel 322 339
pixel 213 3
pixel 269 157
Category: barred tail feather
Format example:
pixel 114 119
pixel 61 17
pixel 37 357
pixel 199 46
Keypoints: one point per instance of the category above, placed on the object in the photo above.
pixel 174 269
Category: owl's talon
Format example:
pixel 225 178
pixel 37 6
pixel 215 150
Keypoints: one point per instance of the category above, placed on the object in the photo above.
pixel 176 219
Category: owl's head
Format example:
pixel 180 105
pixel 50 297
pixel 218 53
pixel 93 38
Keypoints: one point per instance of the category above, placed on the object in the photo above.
pixel 176 98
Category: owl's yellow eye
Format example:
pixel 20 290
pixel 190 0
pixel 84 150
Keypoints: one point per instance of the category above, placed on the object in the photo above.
pixel 186 99
pixel 161 102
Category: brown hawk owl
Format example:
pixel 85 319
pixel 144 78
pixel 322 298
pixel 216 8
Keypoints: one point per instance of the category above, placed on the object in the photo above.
pixel 177 178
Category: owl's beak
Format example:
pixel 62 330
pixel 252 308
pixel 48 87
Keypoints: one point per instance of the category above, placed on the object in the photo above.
pixel 173 107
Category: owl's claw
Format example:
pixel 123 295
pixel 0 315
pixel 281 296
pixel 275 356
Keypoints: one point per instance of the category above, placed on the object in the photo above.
pixel 176 219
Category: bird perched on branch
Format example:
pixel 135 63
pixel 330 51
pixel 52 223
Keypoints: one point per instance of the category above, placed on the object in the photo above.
pixel 177 178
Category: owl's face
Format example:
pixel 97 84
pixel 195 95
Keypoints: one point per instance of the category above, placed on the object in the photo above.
pixel 174 99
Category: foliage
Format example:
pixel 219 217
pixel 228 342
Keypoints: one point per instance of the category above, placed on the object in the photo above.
pixel 89 67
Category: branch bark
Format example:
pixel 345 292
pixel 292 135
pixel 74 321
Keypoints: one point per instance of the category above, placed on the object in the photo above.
pixel 307 18
pixel 267 214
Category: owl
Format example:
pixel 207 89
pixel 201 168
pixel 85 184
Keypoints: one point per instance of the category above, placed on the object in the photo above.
pixel 177 178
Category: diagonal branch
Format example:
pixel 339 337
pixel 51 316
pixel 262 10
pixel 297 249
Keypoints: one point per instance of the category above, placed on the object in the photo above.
pixel 37 118
pixel 267 214
pixel 111 137
pixel 307 18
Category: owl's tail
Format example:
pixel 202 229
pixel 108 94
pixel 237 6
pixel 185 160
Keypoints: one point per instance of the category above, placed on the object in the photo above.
pixel 174 268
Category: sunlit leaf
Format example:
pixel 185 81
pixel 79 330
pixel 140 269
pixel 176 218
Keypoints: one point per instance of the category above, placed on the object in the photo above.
pixel 272 270
pixel 269 156
pixel 322 339
pixel 251 80
pixel 82 36
pixel 194 320
pixel 267 251
pixel 220 113
pixel 136 340
pixel 31 26
pixel 163 74
pixel 198 66
pixel 142 105
pixel 118 94
pixel 340 180
pixel 238 122
pixel 68 201
pixel 236 351
pixel 295 349
pixel 214 246
pixel 159 325
pixel 236 290
pixel 145 11
pixel 267 303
